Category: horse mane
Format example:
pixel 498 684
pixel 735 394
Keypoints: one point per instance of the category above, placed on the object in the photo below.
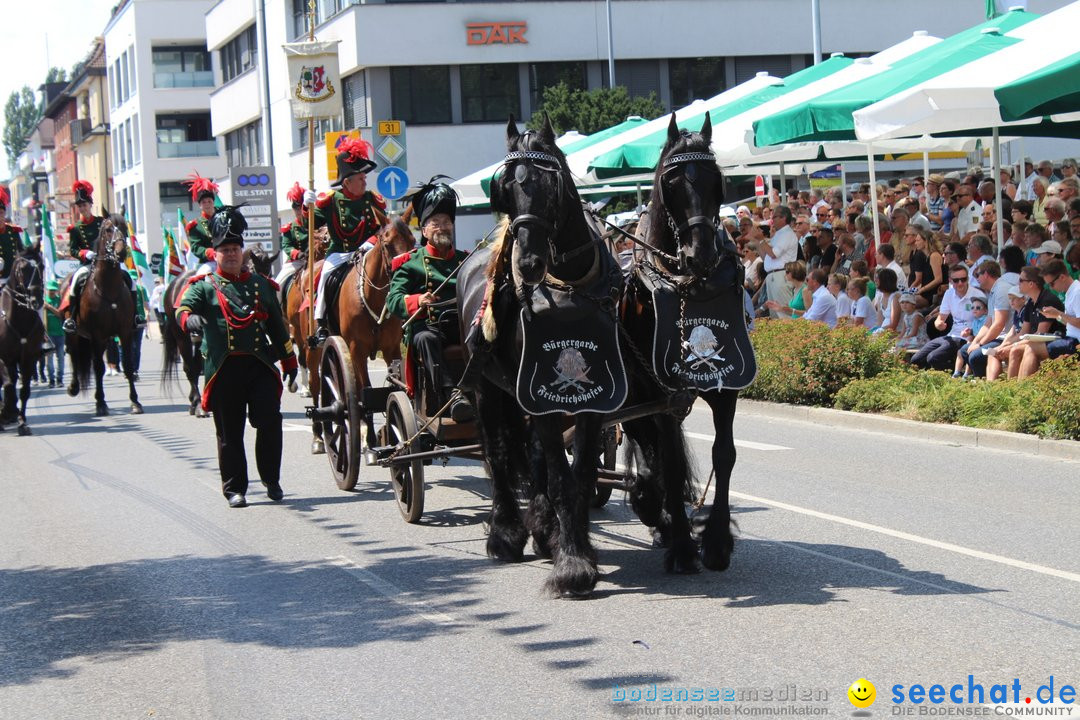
pixel 657 220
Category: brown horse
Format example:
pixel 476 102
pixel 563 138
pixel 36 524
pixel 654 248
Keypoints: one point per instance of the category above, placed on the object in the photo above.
pixel 106 310
pixel 361 316
pixel 294 293
pixel 21 333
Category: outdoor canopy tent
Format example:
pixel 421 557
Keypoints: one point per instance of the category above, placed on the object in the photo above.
pixel 1050 90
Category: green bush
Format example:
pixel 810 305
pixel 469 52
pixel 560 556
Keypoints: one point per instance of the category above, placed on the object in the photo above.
pixel 806 363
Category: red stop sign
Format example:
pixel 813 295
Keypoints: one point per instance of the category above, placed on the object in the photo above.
pixel 759 186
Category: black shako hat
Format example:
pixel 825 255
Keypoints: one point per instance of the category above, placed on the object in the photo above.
pixel 354 156
pixel 432 198
pixel 227 225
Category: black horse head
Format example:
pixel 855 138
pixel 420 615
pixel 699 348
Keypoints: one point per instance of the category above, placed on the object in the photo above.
pixel 690 190
pixel 112 247
pixel 26 280
pixel 535 190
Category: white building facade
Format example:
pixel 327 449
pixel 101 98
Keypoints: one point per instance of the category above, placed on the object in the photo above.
pixel 159 81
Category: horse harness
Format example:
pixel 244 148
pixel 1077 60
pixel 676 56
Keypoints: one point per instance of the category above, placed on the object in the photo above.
pixel 22 298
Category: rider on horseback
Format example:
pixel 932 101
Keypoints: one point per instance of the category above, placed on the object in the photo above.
pixel 204 192
pixel 82 237
pixel 351 215
pixel 294 237
pixel 10 237
pixel 425 278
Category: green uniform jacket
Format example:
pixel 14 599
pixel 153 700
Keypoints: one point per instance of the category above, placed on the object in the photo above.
pixel 82 237
pixel 423 271
pixel 10 244
pixel 350 221
pixel 198 232
pixel 294 237
pixel 251 323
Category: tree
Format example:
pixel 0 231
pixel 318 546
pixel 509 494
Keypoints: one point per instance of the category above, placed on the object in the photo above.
pixel 589 111
pixel 56 74
pixel 21 115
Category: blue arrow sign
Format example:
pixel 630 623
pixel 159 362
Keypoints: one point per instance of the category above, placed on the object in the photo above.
pixel 392 182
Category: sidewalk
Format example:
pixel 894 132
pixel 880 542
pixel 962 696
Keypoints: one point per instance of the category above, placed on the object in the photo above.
pixel 932 432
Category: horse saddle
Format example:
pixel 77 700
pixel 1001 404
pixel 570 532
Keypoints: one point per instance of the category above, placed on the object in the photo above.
pixel 701 340
pixel 570 356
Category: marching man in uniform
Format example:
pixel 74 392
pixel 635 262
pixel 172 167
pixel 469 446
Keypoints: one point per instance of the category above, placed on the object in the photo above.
pixel 351 215
pixel 294 237
pixel 238 315
pixel 419 283
pixel 204 192
pixel 10 237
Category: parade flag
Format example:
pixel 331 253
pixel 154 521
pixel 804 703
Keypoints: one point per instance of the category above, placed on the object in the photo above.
pixel 48 246
pixel 136 260
pixel 170 257
pixel 314 79
pixel 26 241
pixel 183 247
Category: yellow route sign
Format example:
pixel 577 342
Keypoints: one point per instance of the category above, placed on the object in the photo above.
pixel 333 139
pixel 389 127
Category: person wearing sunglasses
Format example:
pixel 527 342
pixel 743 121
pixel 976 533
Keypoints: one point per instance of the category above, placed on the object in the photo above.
pixel 1057 278
pixel 940 353
pixel 969 214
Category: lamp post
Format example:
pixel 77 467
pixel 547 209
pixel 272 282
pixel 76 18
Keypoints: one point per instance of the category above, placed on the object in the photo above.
pixel 815 23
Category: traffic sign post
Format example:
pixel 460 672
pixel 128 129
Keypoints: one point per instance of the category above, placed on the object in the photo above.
pixel 392 182
pixel 256 187
pixel 759 186
pixel 392 157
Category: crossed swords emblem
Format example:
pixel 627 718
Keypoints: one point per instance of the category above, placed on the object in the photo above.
pixel 564 381
pixel 702 354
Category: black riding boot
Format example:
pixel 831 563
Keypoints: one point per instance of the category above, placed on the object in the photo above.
pixel 140 321
pixel 322 334
pixel 73 308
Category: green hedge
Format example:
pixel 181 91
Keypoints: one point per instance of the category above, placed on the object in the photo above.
pixel 806 363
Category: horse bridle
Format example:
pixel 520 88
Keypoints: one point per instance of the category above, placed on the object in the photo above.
pixel 24 298
pixel 552 228
pixel 673 163
pixel 109 254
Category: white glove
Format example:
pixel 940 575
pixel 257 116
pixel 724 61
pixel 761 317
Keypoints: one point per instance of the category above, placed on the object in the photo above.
pixel 310 197
pixel 90 255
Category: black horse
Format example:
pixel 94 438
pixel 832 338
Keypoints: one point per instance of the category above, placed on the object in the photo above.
pixel 685 331
pixel 21 333
pixel 106 309
pixel 178 342
pixel 505 292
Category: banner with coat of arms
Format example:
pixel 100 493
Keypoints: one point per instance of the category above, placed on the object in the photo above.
pixel 314 79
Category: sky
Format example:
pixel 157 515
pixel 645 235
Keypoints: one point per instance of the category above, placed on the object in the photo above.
pixel 50 33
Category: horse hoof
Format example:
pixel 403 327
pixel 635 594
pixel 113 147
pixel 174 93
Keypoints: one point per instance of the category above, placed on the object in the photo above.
pixel 682 558
pixel 73 390
pixel 507 546
pixel 191 411
pixel 318 447
pixel 24 430
pixel 718 559
pixel 136 409
pixel 101 411
pixel 573 578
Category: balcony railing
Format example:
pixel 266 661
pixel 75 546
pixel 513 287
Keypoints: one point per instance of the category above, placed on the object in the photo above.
pixel 80 130
pixel 198 78
pixel 192 148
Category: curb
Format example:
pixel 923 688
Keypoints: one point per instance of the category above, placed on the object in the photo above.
pixel 930 432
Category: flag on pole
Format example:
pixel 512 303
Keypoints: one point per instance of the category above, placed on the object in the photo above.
pixel 26 241
pixel 314 79
pixel 48 246
pixel 170 258
pixel 136 260
pixel 183 247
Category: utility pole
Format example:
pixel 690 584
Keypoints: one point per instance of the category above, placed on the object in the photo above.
pixel 611 49
pixel 815 22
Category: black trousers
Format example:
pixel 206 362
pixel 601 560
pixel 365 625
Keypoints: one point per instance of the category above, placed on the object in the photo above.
pixel 246 390
pixel 428 342
pixel 938 354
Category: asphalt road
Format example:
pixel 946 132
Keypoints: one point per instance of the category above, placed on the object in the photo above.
pixel 128 588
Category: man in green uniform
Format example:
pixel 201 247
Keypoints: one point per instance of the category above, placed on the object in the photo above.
pixel 294 237
pixel 351 215
pixel 421 281
pixel 238 315
pixel 203 192
pixel 10 237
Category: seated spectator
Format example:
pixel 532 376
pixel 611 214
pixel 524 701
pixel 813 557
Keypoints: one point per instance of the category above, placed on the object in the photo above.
pixel 863 312
pixel 885 301
pixel 950 205
pixel 1034 236
pixel 1038 206
pixel 822 304
pixel 863 236
pixel 824 255
pixel 1029 319
pixel 954 252
pixel 912 324
pixel 1049 250
pixel 1059 233
pixel 801 296
pixel 927 267
pixel 1016 237
pixel 940 353
pixel 1021 210
pixel 886 258
pixel 1057 278
pixel 978 307
pixel 1011 260
pixel 999 319
pixel 845 255
pixel 979 250
pixel 838 289
pixel 859 269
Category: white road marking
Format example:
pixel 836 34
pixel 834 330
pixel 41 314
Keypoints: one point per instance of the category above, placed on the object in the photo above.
pixel 748 444
pixel 293 427
pixel 390 591
pixel 1000 559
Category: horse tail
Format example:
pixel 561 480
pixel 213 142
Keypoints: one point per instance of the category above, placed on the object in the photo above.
pixel 168 358
pixel 82 361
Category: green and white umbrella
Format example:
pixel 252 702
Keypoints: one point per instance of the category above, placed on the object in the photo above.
pixel 1051 90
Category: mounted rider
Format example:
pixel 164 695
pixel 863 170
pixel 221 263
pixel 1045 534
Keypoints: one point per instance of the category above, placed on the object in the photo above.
pixel 294 237
pixel 238 315
pixel 82 239
pixel 351 215
pixel 204 192
pixel 425 277
pixel 10 237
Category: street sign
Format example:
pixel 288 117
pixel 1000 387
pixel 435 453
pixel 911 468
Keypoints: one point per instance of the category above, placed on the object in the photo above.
pixel 759 186
pixel 388 137
pixel 333 140
pixel 390 127
pixel 392 182
pixel 256 187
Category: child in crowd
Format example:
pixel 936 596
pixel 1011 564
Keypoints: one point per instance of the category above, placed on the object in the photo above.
pixel 863 312
pixel 912 325
pixel 859 269
pixel 978 309
pixel 838 288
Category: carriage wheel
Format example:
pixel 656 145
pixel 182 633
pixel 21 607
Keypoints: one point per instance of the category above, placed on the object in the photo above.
pixel 608 456
pixel 340 431
pixel 407 478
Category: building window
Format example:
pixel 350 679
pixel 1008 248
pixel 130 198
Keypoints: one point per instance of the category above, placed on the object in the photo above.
pixel 354 97
pixel 243 146
pixel 639 77
pixel 550 74
pixel 173 196
pixel 324 10
pixel 128 207
pixel 131 62
pixel 695 79
pixel 489 93
pixel 136 139
pixel 182 66
pixel 185 135
pixel 140 223
pixel 421 95
pixel 114 95
pixel 238 55
pixel 322 127
pixel 128 149
pixel 125 80
pixel 118 158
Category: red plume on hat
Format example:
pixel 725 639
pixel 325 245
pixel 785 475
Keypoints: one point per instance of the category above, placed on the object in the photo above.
pixel 355 148
pixel 83 191
pixel 200 186
pixel 5 197
pixel 296 194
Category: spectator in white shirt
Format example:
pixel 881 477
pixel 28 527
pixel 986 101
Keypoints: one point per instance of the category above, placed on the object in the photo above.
pixel 776 252
pixel 969 213
pixel 838 289
pixel 886 258
pixel 940 353
pixel 1056 275
pixel 863 312
pixel 999 307
pixel 823 304
pixel 979 250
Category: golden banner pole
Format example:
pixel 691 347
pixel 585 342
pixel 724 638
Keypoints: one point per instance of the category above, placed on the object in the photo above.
pixel 311 186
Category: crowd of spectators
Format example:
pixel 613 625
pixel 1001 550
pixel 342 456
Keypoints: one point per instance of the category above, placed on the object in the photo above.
pixel 937 280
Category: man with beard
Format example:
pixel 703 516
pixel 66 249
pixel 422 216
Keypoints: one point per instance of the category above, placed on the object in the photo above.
pixel 420 281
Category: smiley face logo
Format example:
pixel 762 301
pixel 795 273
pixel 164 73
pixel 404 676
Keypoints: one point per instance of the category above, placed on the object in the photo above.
pixel 862 693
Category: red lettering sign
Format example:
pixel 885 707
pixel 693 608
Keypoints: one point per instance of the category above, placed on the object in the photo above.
pixel 496 33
